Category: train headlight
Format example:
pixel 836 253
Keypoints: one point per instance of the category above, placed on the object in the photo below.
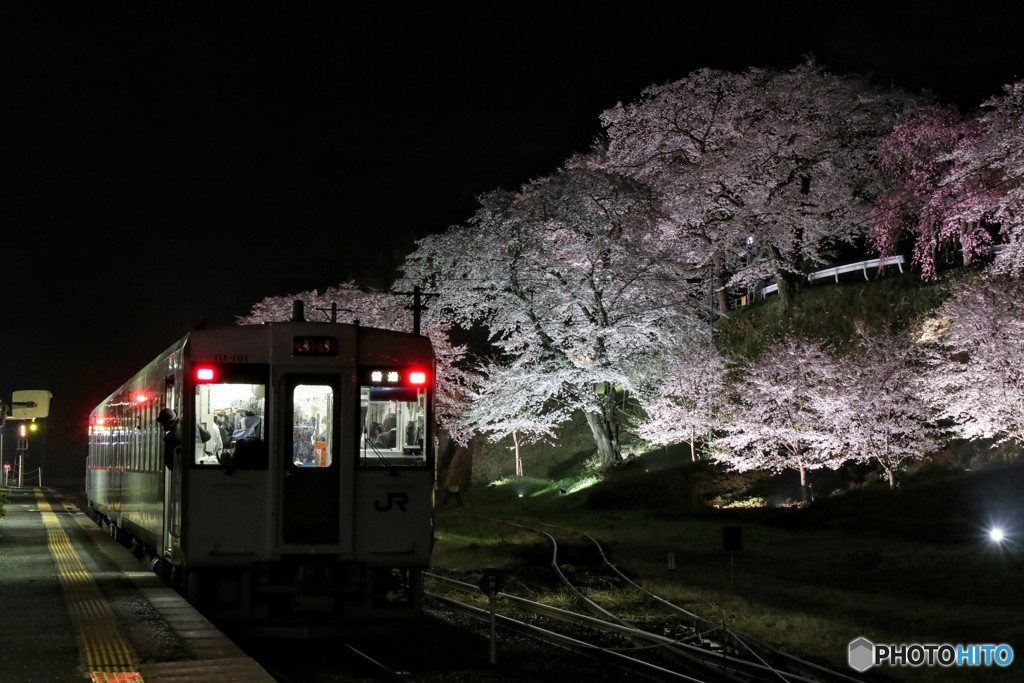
pixel 410 378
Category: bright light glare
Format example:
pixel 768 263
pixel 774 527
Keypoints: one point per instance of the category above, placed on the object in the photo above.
pixel 996 534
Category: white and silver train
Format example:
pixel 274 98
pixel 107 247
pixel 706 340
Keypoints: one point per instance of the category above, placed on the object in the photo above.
pixel 296 492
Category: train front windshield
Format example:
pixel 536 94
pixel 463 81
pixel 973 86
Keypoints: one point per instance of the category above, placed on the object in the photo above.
pixel 231 427
pixel 231 424
pixel 394 426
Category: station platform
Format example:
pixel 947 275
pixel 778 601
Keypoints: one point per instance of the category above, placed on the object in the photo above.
pixel 75 606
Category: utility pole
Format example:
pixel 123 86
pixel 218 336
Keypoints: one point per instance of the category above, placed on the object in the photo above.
pixel 711 355
pixel 417 306
pixel 332 312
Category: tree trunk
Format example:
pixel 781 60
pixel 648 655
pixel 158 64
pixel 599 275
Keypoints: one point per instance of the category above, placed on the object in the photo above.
pixel 888 474
pixel 721 296
pixel 804 489
pixel 519 459
pixel 605 428
pixel 786 281
pixel 787 289
pixel 965 253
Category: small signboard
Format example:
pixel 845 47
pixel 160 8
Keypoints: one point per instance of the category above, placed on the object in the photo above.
pixel 30 404
pixel 733 538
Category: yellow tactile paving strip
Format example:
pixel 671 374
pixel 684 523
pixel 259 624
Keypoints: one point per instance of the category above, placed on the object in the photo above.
pixel 108 655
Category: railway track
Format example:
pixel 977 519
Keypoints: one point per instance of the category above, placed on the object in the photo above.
pixel 607 651
pixel 684 647
pixel 449 645
pixel 691 647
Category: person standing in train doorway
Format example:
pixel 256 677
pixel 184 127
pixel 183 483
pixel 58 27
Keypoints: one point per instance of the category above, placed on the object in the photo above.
pixel 168 419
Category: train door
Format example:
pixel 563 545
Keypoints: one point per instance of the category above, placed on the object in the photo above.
pixel 228 505
pixel 311 467
pixel 172 476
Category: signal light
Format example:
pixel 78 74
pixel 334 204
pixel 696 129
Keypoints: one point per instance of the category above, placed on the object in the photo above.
pixel 417 378
pixel 204 373
pixel 21 430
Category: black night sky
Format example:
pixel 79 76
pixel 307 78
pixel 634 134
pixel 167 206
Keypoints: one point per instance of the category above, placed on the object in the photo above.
pixel 169 165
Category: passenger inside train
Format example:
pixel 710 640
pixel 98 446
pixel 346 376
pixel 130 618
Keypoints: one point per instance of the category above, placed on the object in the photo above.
pixel 312 430
pixel 230 417
pixel 389 412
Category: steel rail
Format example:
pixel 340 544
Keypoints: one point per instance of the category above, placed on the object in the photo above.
pixel 756 647
pixel 608 655
pixel 741 652
pixel 383 669
pixel 716 664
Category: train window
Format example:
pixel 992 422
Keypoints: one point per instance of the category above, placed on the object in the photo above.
pixel 312 425
pixel 394 426
pixel 230 425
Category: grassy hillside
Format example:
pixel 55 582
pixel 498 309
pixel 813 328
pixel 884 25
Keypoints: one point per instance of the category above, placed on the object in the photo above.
pixel 832 312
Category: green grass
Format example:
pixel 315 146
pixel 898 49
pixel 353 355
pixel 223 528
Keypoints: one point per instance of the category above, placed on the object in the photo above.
pixel 904 566
pixel 834 312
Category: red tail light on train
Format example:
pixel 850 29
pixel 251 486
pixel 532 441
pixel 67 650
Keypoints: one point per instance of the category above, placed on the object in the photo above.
pixel 204 374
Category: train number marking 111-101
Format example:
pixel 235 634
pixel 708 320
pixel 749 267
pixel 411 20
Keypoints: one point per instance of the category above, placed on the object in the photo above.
pixel 230 358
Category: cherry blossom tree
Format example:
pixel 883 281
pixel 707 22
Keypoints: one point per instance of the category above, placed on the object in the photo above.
pixel 933 199
pixel 347 302
pixel 350 303
pixel 505 404
pixel 876 408
pixel 686 392
pixel 575 289
pixel 997 156
pixel 777 415
pixel 763 173
pixel 974 347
